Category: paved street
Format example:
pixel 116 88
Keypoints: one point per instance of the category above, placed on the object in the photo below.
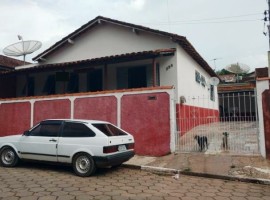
pixel 31 182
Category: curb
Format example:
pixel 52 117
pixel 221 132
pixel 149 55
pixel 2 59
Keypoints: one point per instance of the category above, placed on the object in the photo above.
pixel 169 171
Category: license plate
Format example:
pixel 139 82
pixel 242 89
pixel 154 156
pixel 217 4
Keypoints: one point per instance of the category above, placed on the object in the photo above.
pixel 122 148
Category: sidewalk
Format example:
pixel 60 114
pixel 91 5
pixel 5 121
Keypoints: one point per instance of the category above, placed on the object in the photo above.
pixel 234 167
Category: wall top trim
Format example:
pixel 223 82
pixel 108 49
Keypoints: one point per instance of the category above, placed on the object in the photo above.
pixel 99 93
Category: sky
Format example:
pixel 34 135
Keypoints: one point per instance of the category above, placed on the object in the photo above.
pixel 222 31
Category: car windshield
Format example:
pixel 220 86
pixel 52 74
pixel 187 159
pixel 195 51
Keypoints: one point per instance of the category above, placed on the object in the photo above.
pixel 109 129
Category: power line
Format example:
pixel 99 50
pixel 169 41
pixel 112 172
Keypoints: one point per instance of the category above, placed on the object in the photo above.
pixel 210 20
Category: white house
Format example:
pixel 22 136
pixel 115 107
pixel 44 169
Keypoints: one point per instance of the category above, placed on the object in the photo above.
pixel 115 56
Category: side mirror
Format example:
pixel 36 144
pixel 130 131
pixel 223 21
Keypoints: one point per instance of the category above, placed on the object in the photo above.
pixel 26 133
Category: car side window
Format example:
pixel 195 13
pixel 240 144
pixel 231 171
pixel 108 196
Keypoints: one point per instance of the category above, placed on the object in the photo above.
pixel 77 130
pixel 46 130
pixel 109 129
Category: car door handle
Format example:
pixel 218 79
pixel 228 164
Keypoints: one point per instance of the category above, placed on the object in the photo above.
pixel 52 140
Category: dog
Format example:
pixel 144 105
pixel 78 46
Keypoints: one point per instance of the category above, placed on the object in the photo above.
pixel 202 142
pixel 225 143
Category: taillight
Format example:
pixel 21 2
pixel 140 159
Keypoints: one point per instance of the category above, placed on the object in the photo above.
pixel 130 146
pixel 110 149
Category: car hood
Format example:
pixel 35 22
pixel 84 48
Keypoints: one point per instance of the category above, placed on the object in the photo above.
pixel 10 138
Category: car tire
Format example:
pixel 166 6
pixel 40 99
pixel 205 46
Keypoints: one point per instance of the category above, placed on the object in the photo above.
pixel 8 157
pixel 83 165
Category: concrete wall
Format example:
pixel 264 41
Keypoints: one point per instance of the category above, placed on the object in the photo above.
pixel 261 86
pixel 147 114
pixel 187 85
pixel 266 119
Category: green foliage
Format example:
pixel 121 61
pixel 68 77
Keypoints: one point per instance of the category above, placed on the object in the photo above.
pixel 223 72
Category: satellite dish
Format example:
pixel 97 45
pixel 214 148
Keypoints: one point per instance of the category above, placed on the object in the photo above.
pixel 22 48
pixel 214 81
pixel 237 68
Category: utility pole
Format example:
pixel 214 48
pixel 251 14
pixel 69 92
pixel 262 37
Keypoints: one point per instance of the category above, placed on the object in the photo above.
pixel 268 26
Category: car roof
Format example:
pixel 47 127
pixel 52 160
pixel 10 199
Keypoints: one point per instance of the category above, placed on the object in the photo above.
pixel 75 120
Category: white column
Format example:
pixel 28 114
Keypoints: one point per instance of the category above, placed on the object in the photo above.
pixel 261 86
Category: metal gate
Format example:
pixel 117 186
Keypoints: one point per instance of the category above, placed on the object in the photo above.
pixel 235 130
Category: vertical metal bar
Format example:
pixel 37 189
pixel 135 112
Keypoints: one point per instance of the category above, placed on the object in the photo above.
pixel 245 106
pixel 250 111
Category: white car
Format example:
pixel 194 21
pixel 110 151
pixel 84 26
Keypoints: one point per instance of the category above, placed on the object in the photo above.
pixel 86 144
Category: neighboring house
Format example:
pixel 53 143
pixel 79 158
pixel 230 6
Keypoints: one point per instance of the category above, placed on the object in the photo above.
pixel 227 78
pixel 111 56
pixel 261 72
pixel 237 99
pixel 7 63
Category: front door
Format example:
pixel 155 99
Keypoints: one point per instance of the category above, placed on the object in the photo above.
pixel 41 142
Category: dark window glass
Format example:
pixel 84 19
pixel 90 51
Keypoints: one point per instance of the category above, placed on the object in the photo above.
pixel 134 77
pixel 137 77
pixel 49 87
pixel 77 130
pixel 212 92
pixel 197 77
pixel 73 84
pixel 95 80
pixel 109 129
pixel 46 130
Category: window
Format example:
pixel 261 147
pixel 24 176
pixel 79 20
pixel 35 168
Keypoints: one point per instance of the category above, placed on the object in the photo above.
pixel 29 87
pixel 76 130
pixel 73 84
pixel 109 129
pixel 203 81
pixel 46 130
pixel 95 80
pixel 197 77
pixel 212 93
pixel 157 74
pixel 49 87
pixel 134 77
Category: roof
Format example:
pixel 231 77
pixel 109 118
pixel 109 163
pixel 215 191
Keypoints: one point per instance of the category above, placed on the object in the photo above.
pixel 10 62
pixel 182 41
pixel 261 72
pixel 228 77
pixel 82 64
pixel 236 87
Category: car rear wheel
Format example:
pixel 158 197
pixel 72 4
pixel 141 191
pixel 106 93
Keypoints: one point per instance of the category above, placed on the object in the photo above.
pixel 8 157
pixel 83 165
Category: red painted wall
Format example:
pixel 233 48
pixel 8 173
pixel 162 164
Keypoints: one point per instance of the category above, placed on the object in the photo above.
pixel 51 109
pixel 189 117
pixel 97 108
pixel 14 118
pixel 266 119
pixel 147 118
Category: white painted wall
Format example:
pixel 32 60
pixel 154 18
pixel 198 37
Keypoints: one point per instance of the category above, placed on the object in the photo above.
pixel 261 86
pixel 194 92
pixel 105 40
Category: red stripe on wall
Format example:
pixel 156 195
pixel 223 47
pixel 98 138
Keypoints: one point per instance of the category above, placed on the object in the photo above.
pixel 189 117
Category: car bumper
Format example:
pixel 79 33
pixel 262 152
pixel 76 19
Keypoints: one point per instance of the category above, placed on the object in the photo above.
pixel 113 160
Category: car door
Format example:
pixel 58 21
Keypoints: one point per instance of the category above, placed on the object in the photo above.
pixel 75 137
pixel 40 143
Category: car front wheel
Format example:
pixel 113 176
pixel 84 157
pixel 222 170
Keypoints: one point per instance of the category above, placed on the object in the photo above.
pixel 8 157
pixel 83 165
